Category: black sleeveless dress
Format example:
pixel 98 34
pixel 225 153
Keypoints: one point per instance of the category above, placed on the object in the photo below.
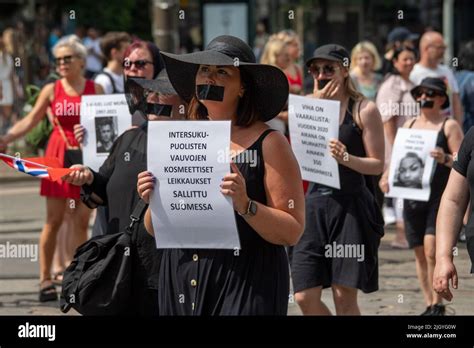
pixel 250 281
pixel 343 227
pixel 420 217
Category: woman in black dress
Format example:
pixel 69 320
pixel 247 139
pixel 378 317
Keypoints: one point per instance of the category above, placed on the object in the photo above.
pixel 343 227
pixel 267 198
pixel 114 185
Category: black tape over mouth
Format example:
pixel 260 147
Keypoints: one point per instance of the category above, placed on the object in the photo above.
pixel 210 92
pixel 323 83
pixel 427 104
pixel 159 109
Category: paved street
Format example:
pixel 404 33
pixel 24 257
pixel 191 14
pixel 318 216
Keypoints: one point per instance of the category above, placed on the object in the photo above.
pixel 22 215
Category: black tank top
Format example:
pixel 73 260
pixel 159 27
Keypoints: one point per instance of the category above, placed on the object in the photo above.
pixel 350 135
pixel 441 174
pixel 254 181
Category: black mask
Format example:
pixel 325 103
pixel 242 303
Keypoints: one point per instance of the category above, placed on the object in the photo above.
pixel 159 109
pixel 210 92
pixel 323 83
pixel 428 104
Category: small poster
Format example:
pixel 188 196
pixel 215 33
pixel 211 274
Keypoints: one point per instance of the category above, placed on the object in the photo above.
pixel 411 166
pixel 313 122
pixel 105 118
pixel 187 207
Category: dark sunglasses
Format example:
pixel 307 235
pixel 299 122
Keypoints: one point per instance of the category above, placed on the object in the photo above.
pixel 428 92
pixel 139 64
pixel 65 60
pixel 326 70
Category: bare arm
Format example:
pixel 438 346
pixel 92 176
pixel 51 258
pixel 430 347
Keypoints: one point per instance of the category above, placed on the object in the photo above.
pixel 36 114
pixel 390 129
pixel 281 220
pixel 448 223
pixel 455 136
pixel 373 139
pixel 458 112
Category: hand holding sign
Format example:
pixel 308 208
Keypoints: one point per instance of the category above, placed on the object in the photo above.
pixel 439 155
pixel 233 185
pixel 338 150
pixel 145 185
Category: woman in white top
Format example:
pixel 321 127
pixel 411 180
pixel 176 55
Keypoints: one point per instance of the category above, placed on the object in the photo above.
pixel 396 105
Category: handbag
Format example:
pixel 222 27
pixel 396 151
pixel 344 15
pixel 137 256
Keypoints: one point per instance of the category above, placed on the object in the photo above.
pixel 99 279
pixel 73 154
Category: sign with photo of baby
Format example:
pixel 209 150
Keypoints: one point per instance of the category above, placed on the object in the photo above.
pixel 411 166
pixel 105 118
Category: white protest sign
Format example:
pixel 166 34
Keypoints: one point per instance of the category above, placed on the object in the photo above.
pixel 104 118
pixel 312 123
pixel 188 210
pixel 411 166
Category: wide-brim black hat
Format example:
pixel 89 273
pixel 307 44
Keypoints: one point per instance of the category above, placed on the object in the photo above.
pixel 269 83
pixel 136 89
pixel 434 83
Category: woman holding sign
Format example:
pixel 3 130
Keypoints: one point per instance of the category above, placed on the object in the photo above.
pixel 114 185
pixel 343 227
pixel 64 98
pixel 420 217
pixel 267 197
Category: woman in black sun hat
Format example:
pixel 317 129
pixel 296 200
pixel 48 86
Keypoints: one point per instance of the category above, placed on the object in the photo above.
pixel 227 84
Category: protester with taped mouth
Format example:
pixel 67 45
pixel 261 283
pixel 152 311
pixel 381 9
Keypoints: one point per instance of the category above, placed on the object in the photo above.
pixel 114 185
pixel 420 217
pixel 396 106
pixel 64 98
pixel 348 216
pixel 230 85
pixel 141 59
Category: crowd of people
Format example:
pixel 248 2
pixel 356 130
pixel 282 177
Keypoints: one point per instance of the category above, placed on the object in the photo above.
pixel 377 95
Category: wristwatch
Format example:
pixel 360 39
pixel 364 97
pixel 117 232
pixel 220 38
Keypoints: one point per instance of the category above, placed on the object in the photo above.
pixel 251 209
pixel 446 158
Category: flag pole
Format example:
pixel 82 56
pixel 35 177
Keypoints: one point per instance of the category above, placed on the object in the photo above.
pixel 24 160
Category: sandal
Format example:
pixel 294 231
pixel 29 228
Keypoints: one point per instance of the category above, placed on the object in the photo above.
pixel 57 278
pixel 48 293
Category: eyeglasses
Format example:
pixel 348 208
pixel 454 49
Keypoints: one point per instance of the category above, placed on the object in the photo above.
pixel 327 70
pixel 139 64
pixel 65 60
pixel 428 92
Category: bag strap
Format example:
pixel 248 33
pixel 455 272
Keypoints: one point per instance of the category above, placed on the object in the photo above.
pixel 137 214
pixel 114 89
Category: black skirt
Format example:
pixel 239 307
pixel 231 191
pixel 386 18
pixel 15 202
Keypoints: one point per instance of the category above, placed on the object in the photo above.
pixel 340 242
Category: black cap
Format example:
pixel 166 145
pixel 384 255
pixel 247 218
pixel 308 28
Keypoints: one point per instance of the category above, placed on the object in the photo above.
pixel 436 84
pixel 401 34
pixel 334 52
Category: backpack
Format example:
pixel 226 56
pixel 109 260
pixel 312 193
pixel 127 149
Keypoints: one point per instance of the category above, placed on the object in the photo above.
pixel 99 279
pixel 114 88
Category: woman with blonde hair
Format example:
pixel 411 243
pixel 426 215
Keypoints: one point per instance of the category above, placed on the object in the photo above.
pixel 276 53
pixel 293 72
pixel 365 61
pixel 64 98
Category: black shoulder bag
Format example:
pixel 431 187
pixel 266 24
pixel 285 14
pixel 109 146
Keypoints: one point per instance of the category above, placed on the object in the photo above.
pixel 99 279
